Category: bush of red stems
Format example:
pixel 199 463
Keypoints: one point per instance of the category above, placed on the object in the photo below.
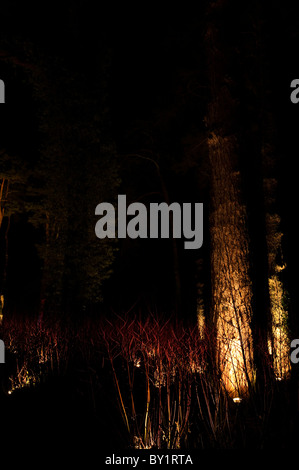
pixel 163 374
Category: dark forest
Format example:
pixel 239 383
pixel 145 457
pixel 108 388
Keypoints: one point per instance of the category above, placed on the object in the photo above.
pixel 139 343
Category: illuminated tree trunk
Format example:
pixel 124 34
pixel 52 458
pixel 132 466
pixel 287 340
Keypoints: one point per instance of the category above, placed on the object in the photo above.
pixel 230 280
pixel 278 334
pixel 278 340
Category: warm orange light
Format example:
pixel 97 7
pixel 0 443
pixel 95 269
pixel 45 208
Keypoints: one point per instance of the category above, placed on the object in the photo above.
pixel 234 352
pixel 279 345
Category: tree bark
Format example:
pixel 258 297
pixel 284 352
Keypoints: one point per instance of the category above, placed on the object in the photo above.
pixel 230 278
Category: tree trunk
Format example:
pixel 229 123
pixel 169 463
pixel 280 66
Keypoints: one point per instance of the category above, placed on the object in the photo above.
pixel 278 340
pixel 230 279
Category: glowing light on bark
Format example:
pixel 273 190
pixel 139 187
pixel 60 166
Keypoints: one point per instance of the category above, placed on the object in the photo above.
pixel 234 343
pixel 234 352
pixel 201 322
pixel 279 345
pixel 231 286
pixel 278 331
